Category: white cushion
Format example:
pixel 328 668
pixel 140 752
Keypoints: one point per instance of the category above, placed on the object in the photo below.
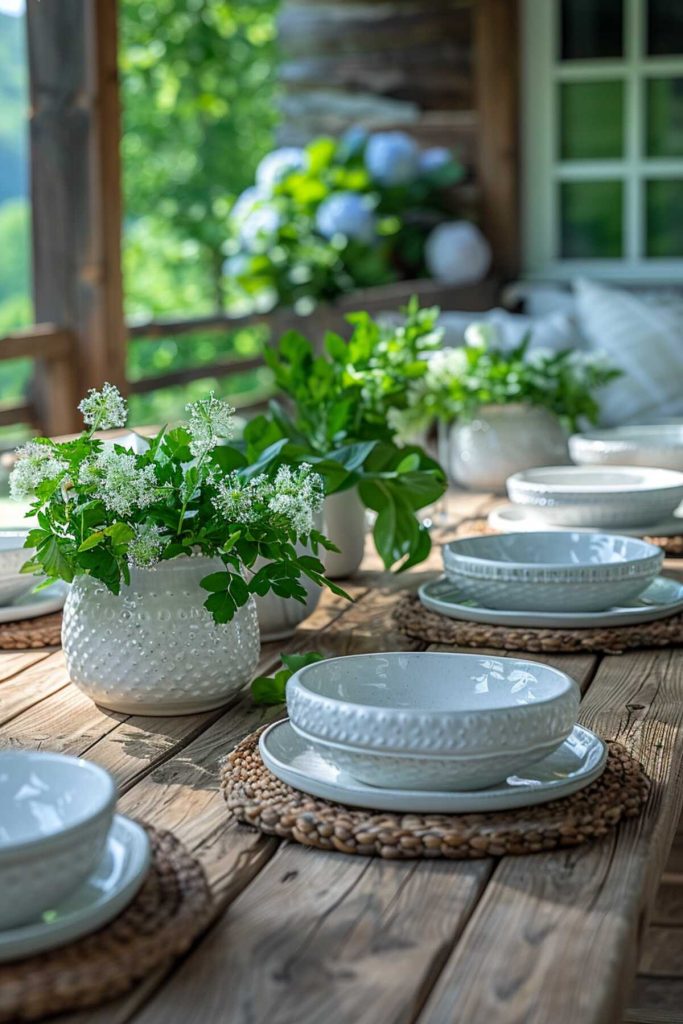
pixel 641 336
pixel 556 331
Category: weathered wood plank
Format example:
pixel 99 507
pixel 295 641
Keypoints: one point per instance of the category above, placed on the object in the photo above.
pixel 32 677
pixel 589 903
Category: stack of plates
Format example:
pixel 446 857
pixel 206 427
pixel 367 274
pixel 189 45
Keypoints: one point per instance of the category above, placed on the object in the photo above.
pixel 68 864
pixel 17 599
pixel 432 732
pixel 652 445
pixel 562 579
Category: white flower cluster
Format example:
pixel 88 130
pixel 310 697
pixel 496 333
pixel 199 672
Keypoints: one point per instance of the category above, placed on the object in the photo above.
pixel 105 409
pixel 35 464
pixel 122 486
pixel 147 544
pixel 210 421
pixel 295 495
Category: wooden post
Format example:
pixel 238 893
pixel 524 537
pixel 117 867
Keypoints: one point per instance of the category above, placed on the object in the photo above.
pixel 496 48
pixel 75 183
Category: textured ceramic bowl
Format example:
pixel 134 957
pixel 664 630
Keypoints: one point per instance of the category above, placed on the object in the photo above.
pixel 660 446
pixel 598 496
pixel 13 554
pixel 558 571
pixel 55 815
pixel 487 717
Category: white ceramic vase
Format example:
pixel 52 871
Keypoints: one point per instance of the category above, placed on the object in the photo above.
pixel 346 526
pixel 501 440
pixel 154 649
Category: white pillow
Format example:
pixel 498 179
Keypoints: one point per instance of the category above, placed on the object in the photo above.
pixel 556 331
pixel 643 338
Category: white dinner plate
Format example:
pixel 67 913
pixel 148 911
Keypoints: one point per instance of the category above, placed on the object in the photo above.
pixel 662 598
pixel 579 761
pixel 107 892
pixel 520 519
pixel 35 603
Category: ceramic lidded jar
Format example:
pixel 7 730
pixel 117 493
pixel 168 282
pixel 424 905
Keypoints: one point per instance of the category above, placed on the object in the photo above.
pixel 498 441
pixel 154 649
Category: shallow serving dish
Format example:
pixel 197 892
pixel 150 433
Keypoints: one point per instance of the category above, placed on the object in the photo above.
pixel 648 445
pixel 13 554
pixel 560 570
pixel 55 815
pixel 598 496
pixel 490 717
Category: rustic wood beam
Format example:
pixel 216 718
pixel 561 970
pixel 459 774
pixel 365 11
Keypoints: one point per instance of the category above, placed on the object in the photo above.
pixel 74 132
pixel 496 29
pixel 41 341
pixel 175 377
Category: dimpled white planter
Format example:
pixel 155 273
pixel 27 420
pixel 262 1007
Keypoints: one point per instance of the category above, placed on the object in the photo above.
pixel 154 649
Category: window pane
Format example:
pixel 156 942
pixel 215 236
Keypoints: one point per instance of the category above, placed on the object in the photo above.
pixel 664 27
pixel 591 120
pixel 591 219
pixel 664 218
pixel 664 100
pixel 591 29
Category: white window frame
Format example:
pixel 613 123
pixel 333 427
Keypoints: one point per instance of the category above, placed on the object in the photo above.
pixel 542 169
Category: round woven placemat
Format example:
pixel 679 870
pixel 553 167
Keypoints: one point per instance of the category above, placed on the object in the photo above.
pixel 414 620
pixel 172 907
pixel 671 546
pixel 30 634
pixel 256 797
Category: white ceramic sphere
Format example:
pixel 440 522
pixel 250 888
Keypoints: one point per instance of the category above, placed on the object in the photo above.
pixel 457 253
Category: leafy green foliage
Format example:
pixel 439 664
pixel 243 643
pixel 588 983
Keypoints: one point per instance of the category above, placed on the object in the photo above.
pixel 345 407
pixel 272 689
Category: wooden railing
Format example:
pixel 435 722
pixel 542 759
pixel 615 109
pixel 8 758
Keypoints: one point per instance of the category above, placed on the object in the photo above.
pixel 51 401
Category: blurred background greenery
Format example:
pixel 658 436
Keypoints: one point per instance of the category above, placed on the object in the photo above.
pixel 199 98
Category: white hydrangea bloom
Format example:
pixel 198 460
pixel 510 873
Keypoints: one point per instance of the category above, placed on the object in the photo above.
pixel 122 486
pixel 484 335
pixel 445 365
pixel 210 422
pixel 298 495
pixel 277 165
pixel 104 409
pixel 346 213
pixel 35 464
pixel 147 544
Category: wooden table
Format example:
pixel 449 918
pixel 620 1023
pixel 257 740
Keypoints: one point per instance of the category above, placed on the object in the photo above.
pixel 304 936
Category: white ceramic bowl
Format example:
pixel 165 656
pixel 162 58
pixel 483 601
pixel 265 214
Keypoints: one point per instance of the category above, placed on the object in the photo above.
pixel 55 814
pixel 13 554
pixel 558 571
pixel 598 496
pixel 396 714
pixel 649 445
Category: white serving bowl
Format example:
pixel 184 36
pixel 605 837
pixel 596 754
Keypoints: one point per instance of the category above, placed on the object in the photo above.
pixel 13 554
pixel 399 717
pixel 598 496
pixel 648 445
pixel 557 571
pixel 55 815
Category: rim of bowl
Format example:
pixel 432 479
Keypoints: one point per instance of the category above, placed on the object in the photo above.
pixel 664 480
pixel 11 533
pixel 648 436
pixel 651 552
pixel 569 685
pixel 107 799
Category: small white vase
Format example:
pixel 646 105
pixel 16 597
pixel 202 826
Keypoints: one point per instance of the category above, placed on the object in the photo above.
pixel 279 616
pixel 154 649
pixel 482 453
pixel 346 526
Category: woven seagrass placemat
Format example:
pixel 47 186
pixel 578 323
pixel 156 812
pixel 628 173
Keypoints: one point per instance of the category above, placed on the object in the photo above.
pixel 414 620
pixel 671 546
pixel 171 909
pixel 256 797
pixel 30 634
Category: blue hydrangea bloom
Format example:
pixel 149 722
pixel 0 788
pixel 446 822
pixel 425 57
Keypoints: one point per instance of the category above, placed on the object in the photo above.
pixel 278 164
pixel 246 203
pixel 434 158
pixel 392 158
pixel 259 228
pixel 346 213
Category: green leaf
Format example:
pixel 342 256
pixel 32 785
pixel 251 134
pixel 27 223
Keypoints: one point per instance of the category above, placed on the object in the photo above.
pixel 54 561
pixel 272 689
pixel 215 582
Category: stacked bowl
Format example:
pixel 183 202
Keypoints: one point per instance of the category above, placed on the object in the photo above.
pixel 68 864
pixel 424 721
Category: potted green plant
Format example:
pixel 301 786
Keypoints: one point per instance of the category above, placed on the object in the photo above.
pixel 501 409
pixel 344 408
pixel 166 550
